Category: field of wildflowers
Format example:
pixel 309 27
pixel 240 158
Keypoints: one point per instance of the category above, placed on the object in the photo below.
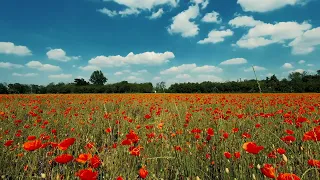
pixel 160 136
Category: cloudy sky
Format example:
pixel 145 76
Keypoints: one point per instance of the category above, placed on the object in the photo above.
pixel 157 40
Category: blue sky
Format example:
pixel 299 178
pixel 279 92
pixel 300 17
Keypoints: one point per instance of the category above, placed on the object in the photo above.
pixel 157 40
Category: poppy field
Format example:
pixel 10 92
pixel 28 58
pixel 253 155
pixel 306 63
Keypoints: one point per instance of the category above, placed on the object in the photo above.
pixel 160 136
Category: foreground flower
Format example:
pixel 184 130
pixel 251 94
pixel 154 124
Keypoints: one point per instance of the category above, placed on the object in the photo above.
pixel 32 145
pixel 287 176
pixel 268 170
pixel 313 162
pixel 64 158
pixel 313 135
pixel 83 158
pixel 87 174
pixel 95 161
pixel 64 145
pixel 8 143
pixel 252 147
pixel 143 173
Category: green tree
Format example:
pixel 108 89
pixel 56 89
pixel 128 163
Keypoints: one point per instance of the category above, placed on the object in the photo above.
pixel 97 78
pixel 80 82
pixel 318 72
pixel 160 87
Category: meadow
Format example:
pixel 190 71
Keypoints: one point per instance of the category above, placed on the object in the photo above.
pixel 160 136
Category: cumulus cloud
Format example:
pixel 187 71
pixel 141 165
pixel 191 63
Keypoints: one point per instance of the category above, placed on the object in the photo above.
pixel 256 68
pixel 89 68
pixel 25 75
pixel 265 34
pixel 60 55
pixel 129 11
pixel 182 23
pixel 297 70
pixel 287 66
pixel 146 4
pixel 203 3
pixel 191 68
pixel 42 67
pixel 147 58
pixel 244 21
pixel 213 17
pixel 134 79
pixel 216 36
pixel 183 76
pixel 8 65
pixel 301 61
pixel 108 12
pixel 310 65
pixel 234 61
pixel 306 42
pixel 11 48
pixel 60 76
pixel 266 5
pixel 156 15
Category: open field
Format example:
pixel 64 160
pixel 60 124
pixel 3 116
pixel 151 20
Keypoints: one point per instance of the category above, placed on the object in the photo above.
pixel 160 136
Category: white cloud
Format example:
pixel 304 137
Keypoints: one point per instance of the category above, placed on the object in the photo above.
pixel 207 69
pixel 310 65
pixel 89 68
pixel 183 76
pixel 265 34
pixel 266 5
pixel 301 61
pixel 118 73
pixel 157 78
pixel 11 48
pixel 205 77
pixel 179 69
pixel 216 36
pixel 25 75
pixel 143 71
pixel 148 58
pixel 191 68
pixel 256 68
pixel 234 61
pixel 306 42
pixel 212 17
pixel 203 3
pixel 60 55
pixel 156 15
pixel 287 66
pixel 182 25
pixel 297 70
pixel 60 76
pixel 146 4
pixel 9 65
pixel 108 12
pixel 134 79
pixel 244 21
pixel 129 11
pixel 42 67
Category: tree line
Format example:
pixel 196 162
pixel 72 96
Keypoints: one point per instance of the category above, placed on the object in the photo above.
pixel 295 83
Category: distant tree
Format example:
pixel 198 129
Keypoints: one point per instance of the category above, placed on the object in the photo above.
pixel 318 72
pixel 81 82
pixel 3 89
pixel 160 87
pixel 97 78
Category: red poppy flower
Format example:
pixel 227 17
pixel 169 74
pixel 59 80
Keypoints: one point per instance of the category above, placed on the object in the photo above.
pixel 147 116
pixel 313 162
pixel 64 158
pixel 281 151
pixel 252 147
pixel 31 138
pixel 87 174
pixel 288 139
pixel 237 155
pixel 108 130
pixel 210 132
pixel 143 173
pixel 135 151
pixel 32 145
pixel 313 135
pixel 227 155
pixel 287 176
pixel 83 158
pixel 95 161
pixel 64 145
pixel 269 171
pixel 8 143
